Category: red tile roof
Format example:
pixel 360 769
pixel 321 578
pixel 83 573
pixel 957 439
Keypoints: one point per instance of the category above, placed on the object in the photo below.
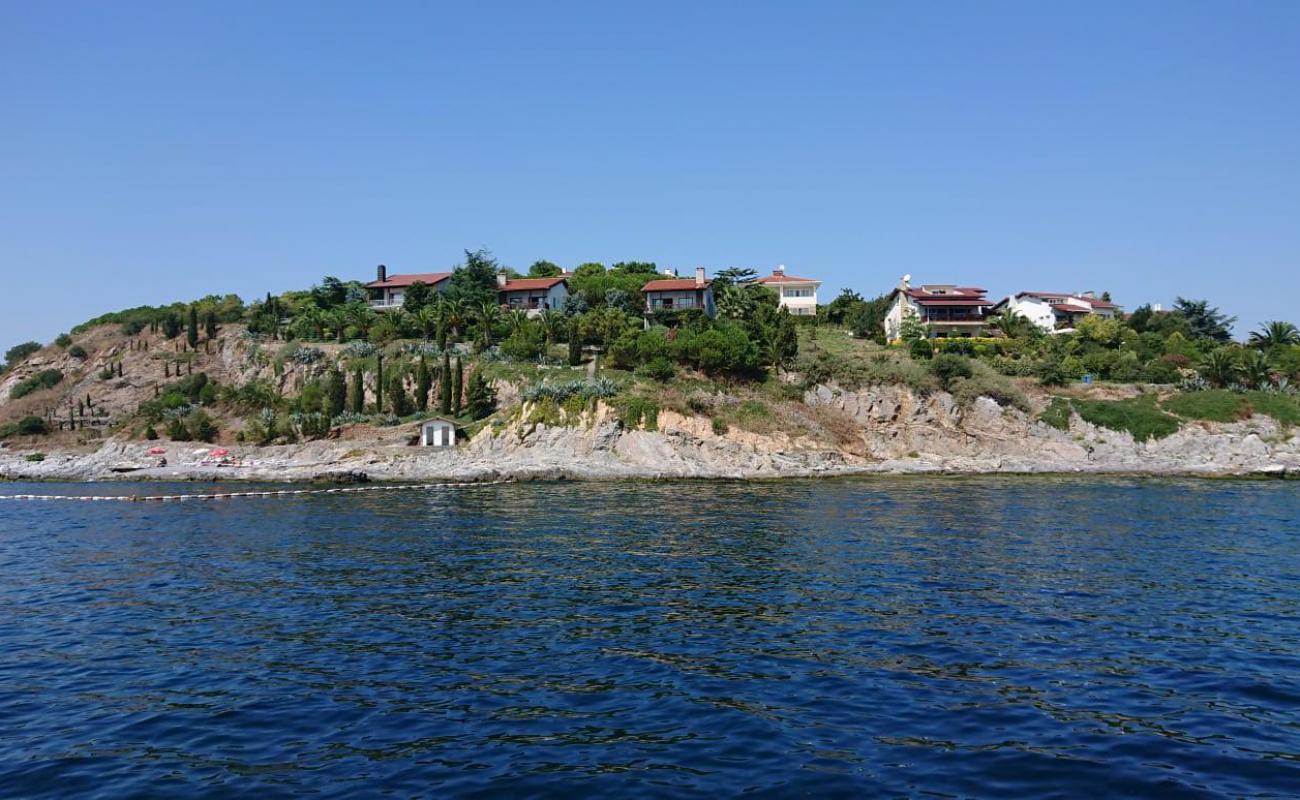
pixel 782 278
pixel 397 281
pixel 1094 302
pixel 1070 309
pixel 529 284
pixel 675 285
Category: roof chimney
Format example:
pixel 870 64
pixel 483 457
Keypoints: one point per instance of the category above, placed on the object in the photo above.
pixel 905 282
pixel 699 276
pixel 501 279
pixel 778 271
pixel 381 273
pixel 670 271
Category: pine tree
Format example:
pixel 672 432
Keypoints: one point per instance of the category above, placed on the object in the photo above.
pixel 482 398
pixel 422 385
pixel 357 392
pixel 335 394
pixel 456 382
pixel 444 386
pixel 192 327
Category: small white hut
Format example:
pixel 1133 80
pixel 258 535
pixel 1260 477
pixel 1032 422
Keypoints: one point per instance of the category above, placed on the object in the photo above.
pixel 437 433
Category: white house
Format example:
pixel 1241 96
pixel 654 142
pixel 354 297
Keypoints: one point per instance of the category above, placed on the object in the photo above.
pixel 437 433
pixel 389 291
pixel 533 295
pixel 945 310
pixel 1056 312
pixel 797 294
pixel 676 294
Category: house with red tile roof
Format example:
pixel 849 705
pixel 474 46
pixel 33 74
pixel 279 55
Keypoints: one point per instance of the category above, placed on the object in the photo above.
pixel 533 295
pixel 946 310
pixel 389 291
pixel 797 294
pixel 1057 312
pixel 676 294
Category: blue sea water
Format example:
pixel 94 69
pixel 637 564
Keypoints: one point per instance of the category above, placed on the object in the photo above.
pixel 977 637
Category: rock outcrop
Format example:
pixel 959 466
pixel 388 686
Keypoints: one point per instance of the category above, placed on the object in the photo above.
pixel 889 430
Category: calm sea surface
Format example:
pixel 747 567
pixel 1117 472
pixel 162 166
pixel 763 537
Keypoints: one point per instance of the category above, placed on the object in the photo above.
pixel 949 637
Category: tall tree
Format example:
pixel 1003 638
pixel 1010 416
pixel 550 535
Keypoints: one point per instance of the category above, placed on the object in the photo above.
pixel 575 342
pixel 192 327
pixel 1274 334
pixel 399 403
pixel 475 281
pixel 444 385
pixel 210 324
pixel 456 381
pixel 1206 321
pixel 335 393
pixel 357 392
pixel 422 383
pixel 487 313
pixel 482 398
pixel 379 382
pixel 543 269
pixel 417 296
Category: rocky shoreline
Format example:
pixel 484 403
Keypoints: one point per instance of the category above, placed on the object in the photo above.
pixel 888 431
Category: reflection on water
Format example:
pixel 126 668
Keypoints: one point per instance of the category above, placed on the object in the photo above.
pixel 958 637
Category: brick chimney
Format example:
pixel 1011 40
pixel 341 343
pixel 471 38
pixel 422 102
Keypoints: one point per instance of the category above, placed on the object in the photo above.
pixel 699 276
pixel 381 273
pixel 501 279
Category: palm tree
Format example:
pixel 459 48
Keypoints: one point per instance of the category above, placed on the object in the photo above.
pixel 427 318
pixel 1256 372
pixel 456 313
pixel 1220 367
pixel 336 319
pixel 310 321
pixel 361 316
pixel 402 321
pixel 1013 325
pixel 517 319
pixel 552 323
pixel 1275 333
pixel 487 313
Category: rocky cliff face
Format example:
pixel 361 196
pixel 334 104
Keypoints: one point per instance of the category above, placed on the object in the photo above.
pixel 889 430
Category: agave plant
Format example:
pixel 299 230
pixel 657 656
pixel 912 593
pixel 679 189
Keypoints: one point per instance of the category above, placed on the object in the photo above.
pixel 1275 333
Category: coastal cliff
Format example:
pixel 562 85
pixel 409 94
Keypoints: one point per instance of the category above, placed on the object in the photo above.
pixel 878 429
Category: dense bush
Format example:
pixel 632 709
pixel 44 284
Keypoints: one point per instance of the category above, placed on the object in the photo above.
pixel 44 379
pixel 921 349
pixel 948 368
pixel 20 351
pixel 78 352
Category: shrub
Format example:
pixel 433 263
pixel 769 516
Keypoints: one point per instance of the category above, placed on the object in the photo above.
pixel 921 349
pixel 1051 373
pixel 44 379
pixel 988 384
pixel 1057 414
pixel 200 426
pixel 78 352
pixel 35 457
pixel 63 340
pixel 657 369
pixel 525 344
pixel 720 426
pixel 20 351
pixel 1138 416
pixel 32 426
pixel 948 368
pixel 150 433
pixel 634 412
pixel 311 425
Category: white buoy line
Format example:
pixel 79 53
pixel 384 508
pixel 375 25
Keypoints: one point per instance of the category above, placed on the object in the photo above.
pixel 144 498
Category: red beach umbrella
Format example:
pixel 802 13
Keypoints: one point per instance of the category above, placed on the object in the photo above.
pixel 220 451
pixel 157 451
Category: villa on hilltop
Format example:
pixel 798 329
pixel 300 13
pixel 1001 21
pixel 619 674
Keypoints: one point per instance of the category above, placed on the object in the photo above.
pixel 533 295
pixel 946 310
pixel 675 294
pixel 1057 312
pixel 389 291
pixel 799 295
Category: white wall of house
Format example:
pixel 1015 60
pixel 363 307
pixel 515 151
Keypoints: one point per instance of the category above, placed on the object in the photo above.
pixel 678 300
pixel 902 306
pixel 1033 309
pixel 438 433
pixel 538 300
pixel 801 299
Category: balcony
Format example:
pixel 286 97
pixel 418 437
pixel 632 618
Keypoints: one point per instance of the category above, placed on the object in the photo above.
pixel 383 305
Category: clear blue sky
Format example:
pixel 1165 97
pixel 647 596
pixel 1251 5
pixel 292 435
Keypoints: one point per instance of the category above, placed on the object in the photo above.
pixel 159 151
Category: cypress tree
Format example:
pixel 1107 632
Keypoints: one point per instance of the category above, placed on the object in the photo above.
pixel 335 394
pixel 575 345
pixel 379 383
pixel 210 324
pixel 192 327
pixel 357 392
pixel 422 385
pixel 400 403
pixel 456 381
pixel 444 386
pixel 167 369
pixel 482 399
